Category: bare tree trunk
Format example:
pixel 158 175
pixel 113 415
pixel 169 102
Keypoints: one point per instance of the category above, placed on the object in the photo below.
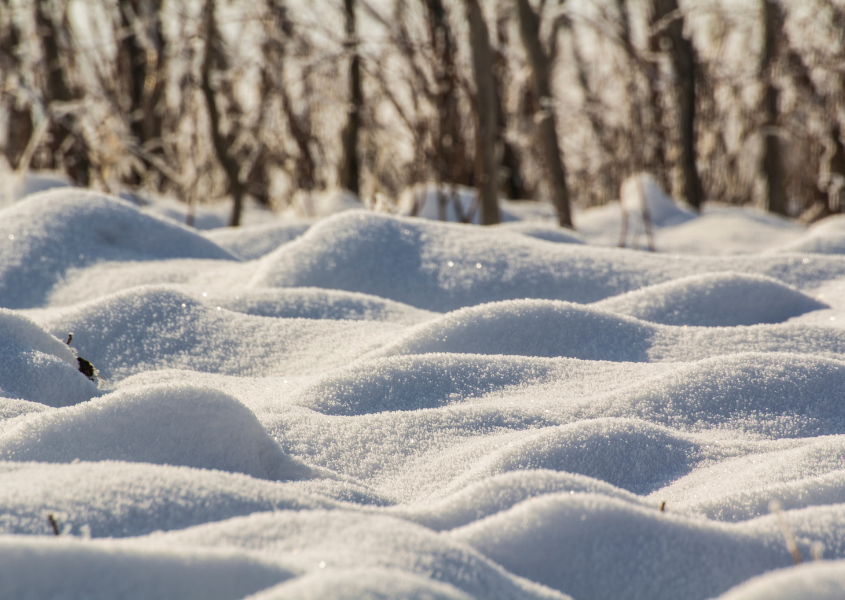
pixel 74 156
pixel 776 200
pixel 142 74
pixel 448 148
pixel 513 182
pixel 57 86
pixel 836 172
pixel 654 158
pixel 350 170
pixel 830 166
pixel 131 64
pixel 230 166
pixel 685 65
pixel 19 123
pixel 487 133
pixel 279 33
pixel 538 60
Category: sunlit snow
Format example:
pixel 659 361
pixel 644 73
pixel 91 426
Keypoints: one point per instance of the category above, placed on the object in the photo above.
pixel 366 405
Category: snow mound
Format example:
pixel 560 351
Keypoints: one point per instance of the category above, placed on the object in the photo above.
pixel 723 230
pixel 81 285
pixel 316 303
pixel 743 474
pixel 16 329
pixel 443 266
pixel 37 367
pixel 37 377
pixel 33 569
pixel 688 344
pixel 14 187
pixel 540 231
pixel 11 408
pixel 815 581
pixel 826 237
pixel 501 492
pixel 158 327
pixel 49 233
pixel 633 455
pixel 251 242
pixel 167 424
pixel 568 542
pixel 530 328
pixel 775 395
pixel 338 540
pixel 131 499
pixel 387 406
pixel 354 584
pixel 416 382
pixel 714 300
pixel 734 506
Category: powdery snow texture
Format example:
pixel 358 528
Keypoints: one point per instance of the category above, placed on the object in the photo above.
pixel 375 406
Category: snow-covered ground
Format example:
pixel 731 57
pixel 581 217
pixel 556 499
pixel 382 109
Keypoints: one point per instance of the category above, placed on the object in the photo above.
pixel 374 406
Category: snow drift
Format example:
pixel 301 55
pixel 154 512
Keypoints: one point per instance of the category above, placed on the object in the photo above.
pixel 367 405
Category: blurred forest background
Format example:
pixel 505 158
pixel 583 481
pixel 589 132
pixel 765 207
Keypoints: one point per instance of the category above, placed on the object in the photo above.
pixel 737 101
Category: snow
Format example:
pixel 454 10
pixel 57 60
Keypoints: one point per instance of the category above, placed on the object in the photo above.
pixel 367 405
pixel 353 584
pixel 714 300
pixel 169 424
pixel 810 582
pixel 338 540
pixel 825 237
pixel 49 233
pixel 254 241
pixel 543 231
pixel 16 186
pixel 34 568
pixel 431 201
pixel 729 231
pixel 442 267
pixel 204 217
pixel 567 541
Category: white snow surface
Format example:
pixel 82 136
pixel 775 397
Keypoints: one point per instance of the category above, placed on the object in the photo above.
pixel 373 406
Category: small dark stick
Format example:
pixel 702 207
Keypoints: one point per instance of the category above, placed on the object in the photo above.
pixel 85 367
pixel 53 523
pixel 663 506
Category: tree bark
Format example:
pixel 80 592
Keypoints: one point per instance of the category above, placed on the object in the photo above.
pixel 776 200
pixel 280 33
pixel 19 124
pixel 831 163
pixel 229 164
pixel 836 185
pixel 448 147
pixel 511 179
pixel 350 169
pixel 685 65
pixel 76 161
pixel 141 65
pixel 486 109
pixel 540 64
